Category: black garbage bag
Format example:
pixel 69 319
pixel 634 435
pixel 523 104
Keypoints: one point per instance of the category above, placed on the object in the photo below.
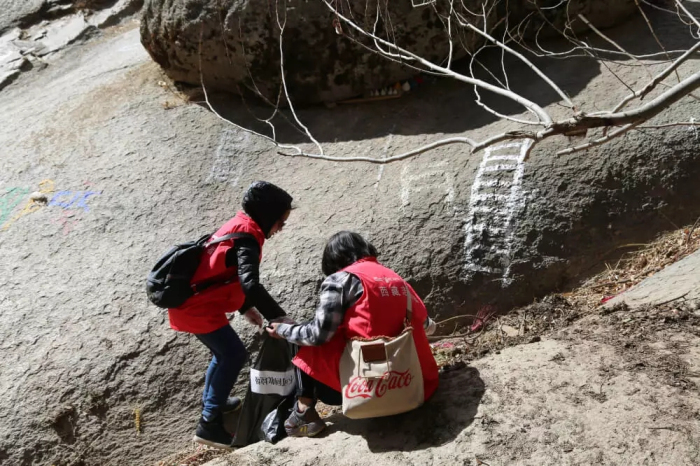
pixel 272 428
pixel 270 395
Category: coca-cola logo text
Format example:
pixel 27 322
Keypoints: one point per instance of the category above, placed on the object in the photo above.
pixel 368 388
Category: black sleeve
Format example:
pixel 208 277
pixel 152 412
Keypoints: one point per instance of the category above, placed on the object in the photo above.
pixel 246 255
pixel 247 304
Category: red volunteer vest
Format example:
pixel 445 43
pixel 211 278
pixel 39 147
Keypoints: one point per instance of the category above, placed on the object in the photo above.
pixel 380 311
pixel 206 312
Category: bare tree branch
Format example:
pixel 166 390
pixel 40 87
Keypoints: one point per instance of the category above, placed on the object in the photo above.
pixel 615 44
pixel 653 33
pixel 690 16
pixel 658 78
pixel 690 124
pixel 379 36
pixel 599 141
pixel 282 25
pixel 497 90
pixel 475 147
pixel 527 62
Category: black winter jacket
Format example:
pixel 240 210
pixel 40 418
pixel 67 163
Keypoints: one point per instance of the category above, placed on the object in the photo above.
pixel 245 254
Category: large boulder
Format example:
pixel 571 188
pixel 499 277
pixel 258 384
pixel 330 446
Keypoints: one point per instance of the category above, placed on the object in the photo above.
pixel 236 44
pixel 129 169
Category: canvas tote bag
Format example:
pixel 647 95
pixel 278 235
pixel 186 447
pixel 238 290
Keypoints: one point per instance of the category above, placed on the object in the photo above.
pixel 382 376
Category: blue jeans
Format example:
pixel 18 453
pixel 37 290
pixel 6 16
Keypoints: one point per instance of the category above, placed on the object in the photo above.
pixel 228 356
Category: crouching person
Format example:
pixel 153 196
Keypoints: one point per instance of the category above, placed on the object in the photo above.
pixel 356 302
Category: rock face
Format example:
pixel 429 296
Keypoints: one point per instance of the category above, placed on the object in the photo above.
pixel 236 44
pixel 128 170
pixel 44 28
pixel 13 12
pixel 25 13
pixel 680 281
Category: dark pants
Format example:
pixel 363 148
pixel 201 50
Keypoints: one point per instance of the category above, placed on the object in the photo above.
pixel 308 387
pixel 229 355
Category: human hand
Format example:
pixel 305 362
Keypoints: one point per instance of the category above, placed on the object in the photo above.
pixel 272 330
pixel 253 317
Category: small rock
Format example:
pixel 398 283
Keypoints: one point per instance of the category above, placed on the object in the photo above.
pixel 39 198
pixel 10 36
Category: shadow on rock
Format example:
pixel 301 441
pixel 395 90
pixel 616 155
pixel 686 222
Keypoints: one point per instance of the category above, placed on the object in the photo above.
pixel 438 106
pixel 451 410
pixel 446 106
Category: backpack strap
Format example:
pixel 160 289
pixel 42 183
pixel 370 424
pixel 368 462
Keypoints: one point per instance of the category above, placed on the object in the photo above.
pixel 201 286
pixel 230 236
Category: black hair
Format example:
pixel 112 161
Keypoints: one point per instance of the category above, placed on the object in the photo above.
pixel 266 204
pixel 343 249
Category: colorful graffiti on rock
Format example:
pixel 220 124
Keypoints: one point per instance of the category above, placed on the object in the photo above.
pixel 46 196
pixel 9 200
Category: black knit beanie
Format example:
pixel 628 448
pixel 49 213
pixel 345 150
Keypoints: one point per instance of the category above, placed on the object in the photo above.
pixel 266 204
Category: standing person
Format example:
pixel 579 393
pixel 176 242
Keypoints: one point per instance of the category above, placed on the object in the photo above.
pixel 266 208
pixel 360 298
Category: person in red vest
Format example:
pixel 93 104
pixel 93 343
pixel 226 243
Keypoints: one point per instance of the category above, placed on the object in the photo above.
pixel 266 208
pixel 356 301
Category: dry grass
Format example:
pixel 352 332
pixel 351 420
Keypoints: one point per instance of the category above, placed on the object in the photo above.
pixel 637 265
pixel 194 456
pixel 556 311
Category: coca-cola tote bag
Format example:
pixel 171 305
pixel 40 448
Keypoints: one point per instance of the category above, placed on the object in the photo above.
pixel 381 377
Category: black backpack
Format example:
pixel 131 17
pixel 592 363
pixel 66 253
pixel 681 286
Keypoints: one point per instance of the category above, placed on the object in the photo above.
pixel 169 283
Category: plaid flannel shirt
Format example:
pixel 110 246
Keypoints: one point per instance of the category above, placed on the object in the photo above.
pixel 339 292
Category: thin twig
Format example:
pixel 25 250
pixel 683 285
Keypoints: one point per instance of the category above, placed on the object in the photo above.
pixel 669 125
pixel 454 318
pixel 653 33
pixel 599 141
pixel 690 233
pixel 527 62
pixel 658 78
pixel 211 108
pixel 480 102
pixel 685 10
pixel 282 26
pixel 672 300
pixel 608 39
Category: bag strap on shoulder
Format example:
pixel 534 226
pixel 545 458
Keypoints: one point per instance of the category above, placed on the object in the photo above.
pixel 409 307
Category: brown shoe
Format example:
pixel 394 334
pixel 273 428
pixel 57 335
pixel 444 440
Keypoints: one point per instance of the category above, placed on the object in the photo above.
pixel 306 424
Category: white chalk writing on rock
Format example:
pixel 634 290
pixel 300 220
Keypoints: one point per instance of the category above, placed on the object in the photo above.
pixel 227 167
pixel 495 197
pixel 431 177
